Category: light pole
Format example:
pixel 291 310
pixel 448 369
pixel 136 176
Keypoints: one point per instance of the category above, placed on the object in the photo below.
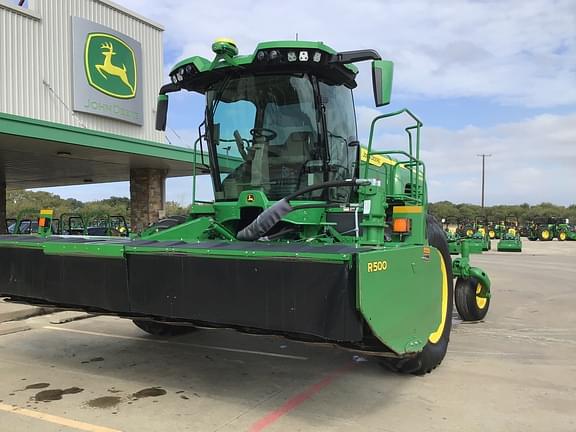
pixel 483 156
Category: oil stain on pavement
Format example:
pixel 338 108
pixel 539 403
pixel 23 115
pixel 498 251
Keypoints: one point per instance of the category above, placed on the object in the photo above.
pixel 56 394
pixel 149 392
pixel 104 402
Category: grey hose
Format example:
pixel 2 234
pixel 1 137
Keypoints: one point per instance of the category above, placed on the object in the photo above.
pixel 265 221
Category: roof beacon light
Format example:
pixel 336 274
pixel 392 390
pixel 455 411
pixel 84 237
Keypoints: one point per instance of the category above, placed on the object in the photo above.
pixel 225 46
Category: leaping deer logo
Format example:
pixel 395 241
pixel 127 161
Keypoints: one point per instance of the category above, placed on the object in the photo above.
pixel 109 68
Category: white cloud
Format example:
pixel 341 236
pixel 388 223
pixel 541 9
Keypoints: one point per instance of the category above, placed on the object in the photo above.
pixel 532 160
pixel 514 52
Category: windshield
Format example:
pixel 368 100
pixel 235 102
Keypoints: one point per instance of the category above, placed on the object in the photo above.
pixel 338 108
pixel 271 129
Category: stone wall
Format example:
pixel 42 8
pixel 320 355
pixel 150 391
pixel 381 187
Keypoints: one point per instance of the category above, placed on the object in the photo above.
pixel 147 197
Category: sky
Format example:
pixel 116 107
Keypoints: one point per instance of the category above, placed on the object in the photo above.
pixel 494 77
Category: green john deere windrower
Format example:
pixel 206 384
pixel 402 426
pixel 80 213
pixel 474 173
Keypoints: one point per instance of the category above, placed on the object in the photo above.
pixel 310 235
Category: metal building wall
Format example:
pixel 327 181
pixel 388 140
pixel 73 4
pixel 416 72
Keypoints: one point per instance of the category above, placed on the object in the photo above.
pixel 36 69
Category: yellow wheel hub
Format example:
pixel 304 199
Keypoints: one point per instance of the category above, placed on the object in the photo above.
pixel 545 234
pixel 437 335
pixel 562 236
pixel 480 301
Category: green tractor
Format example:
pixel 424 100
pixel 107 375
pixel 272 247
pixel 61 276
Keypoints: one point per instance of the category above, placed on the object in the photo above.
pixel 465 227
pixel 494 229
pixel 543 229
pixel 28 222
pixel 510 240
pixel 105 225
pixel 565 231
pixel 525 228
pixel 480 240
pixel 10 224
pixel 310 236
pixel 450 225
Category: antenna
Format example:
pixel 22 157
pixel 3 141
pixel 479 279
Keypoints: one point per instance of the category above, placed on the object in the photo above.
pixel 296 35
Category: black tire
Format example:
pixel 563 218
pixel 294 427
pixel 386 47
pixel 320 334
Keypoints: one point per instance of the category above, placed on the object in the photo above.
pixel 545 234
pixel 156 328
pixel 433 353
pixel 470 307
pixel 164 224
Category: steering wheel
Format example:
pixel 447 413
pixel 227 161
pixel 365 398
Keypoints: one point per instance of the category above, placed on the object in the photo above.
pixel 267 134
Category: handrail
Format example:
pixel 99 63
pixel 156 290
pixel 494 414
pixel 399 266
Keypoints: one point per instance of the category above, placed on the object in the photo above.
pixel 408 130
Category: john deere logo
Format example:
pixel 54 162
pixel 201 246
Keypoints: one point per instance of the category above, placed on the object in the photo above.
pixel 110 65
pixel 250 198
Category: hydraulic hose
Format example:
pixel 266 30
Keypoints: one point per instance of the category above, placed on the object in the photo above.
pixel 274 214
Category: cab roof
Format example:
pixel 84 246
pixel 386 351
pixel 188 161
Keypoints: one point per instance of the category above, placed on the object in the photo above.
pixel 197 73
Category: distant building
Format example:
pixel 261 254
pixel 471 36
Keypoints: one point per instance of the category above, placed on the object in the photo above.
pixel 78 86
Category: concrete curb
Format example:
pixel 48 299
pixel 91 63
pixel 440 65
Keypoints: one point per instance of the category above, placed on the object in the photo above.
pixel 17 312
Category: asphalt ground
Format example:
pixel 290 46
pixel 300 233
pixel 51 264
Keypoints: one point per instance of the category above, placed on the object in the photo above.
pixel 516 371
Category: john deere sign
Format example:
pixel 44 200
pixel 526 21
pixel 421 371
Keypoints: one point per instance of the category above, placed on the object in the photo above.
pixel 106 72
pixel 114 76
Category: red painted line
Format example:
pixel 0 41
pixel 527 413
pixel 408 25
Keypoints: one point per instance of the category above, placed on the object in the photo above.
pixel 297 400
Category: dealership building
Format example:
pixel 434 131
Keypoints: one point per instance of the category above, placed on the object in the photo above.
pixel 78 87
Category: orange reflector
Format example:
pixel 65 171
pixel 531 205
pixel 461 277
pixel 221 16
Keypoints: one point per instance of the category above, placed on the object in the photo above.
pixel 401 225
pixel 42 222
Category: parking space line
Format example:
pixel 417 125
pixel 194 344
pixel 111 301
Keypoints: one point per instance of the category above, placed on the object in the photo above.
pixel 165 342
pixel 61 421
pixel 297 400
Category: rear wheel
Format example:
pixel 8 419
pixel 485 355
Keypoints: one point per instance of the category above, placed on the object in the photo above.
pixel 162 329
pixel 435 350
pixel 469 305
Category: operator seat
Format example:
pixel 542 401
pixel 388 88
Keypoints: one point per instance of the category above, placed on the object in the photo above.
pixel 291 150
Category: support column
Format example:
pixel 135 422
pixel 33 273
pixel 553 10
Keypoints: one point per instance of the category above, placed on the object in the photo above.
pixel 147 197
pixel 2 205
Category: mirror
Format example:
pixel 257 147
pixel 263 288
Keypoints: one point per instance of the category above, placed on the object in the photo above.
pixel 161 112
pixel 382 72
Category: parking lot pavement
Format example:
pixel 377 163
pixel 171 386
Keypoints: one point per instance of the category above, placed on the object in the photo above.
pixel 513 372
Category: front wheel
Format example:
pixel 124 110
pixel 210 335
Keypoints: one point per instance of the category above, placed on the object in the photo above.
pixel 562 236
pixel 435 349
pixel 470 306
pixel 156 328
pixel 545 235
